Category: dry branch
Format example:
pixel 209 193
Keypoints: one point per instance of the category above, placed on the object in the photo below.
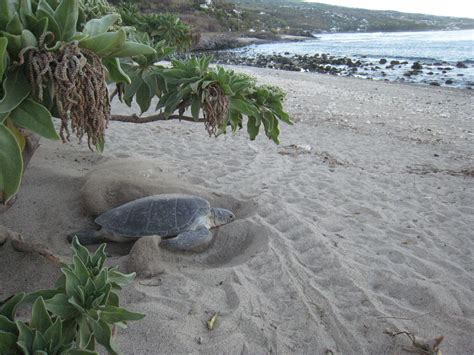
pixel 152 118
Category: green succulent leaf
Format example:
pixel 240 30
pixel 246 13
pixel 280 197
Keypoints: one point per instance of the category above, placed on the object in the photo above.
pixel 54 334
pixel 252 127
pixel 103 334
pixel 8 308
pixel 111 314
pixel 105 43
pixel 11 164
pixel 39 344
pixel 34 116
pixel 7 342
pixel 131 49
pixel 15 89
pixel 25 10
pixel 28 39
pixel 40 319
pixel 66 16
pixel 7 11
pixel 100 25
pixel 25 338
pixel 81 352
pixel 6 325
pixel 44 10
pixel 60 306
pixel 144 97
pixel 115 71
pixel 14 26
pixel 14 43
pixel 3 56
pixel 195 108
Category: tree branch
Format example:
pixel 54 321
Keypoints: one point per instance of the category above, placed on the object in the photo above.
pixel 153 118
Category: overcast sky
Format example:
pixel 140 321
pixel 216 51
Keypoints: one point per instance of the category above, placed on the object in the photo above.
pixel 460 8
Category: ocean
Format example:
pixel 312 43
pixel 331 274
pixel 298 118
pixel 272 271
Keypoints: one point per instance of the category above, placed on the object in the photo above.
pixel 434 49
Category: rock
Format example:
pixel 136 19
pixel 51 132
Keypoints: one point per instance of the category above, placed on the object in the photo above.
pixel 435 83
pixel 417 66
pixel 394 62
pixel 461 65
pixel 449 82
pixel 144 257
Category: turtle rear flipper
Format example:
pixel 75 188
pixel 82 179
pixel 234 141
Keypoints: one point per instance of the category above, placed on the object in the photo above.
pixel 87 237
pixel 193 240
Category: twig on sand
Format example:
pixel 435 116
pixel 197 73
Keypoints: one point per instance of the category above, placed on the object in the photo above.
pixel 420 345
pixel 19 244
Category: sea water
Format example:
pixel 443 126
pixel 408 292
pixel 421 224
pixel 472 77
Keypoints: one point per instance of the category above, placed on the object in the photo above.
pixel 430 47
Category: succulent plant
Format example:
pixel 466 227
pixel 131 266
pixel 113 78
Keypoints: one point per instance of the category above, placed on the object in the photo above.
pixel 81 311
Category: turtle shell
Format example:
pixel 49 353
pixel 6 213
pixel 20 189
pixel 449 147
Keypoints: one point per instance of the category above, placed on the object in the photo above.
pixel 164 215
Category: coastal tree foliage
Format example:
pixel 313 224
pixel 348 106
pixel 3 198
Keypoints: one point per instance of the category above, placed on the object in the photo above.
pixel 57 60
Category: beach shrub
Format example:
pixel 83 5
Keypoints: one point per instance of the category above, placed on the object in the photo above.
pixel 223 96
pixel 48 68
pixel 56 62
pixel 72 318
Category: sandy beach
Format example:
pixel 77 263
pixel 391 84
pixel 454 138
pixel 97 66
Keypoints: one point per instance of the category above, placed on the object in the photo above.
pixel 361 221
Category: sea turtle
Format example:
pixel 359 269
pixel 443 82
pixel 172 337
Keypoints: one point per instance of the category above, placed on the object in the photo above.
pixel 182 221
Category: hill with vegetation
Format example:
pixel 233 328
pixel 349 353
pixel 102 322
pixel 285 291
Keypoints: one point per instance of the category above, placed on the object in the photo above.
pixel 295 17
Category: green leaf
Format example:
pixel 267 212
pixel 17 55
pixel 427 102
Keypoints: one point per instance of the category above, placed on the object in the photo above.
pixel 80 352
pixel 72 282
pixel 8 309
pixel 79 250
pixel 34 116
pixel 243 107
pixel 131 49
pixel 195 108
pixel 111 314
pixel 15 89
pixel 44 10
pixel 100 145
pixel 143 97
pixel 14 26
pixel 103 334
pixel 7 325
pixel 66 16
pixel 252 128
pixel 39 344
pixel 100 25
pixel 26 337
pixel 28 39
pixel 105 43
pixel 84 332
pixel 40 319
pixel 11 165
pixel 60 306
pixel 53 335
pixel 115 71
pixel 25 10
pixel 46 294
pixel 7 11
pixel 8 342
pixel 3 56
pixel 14 43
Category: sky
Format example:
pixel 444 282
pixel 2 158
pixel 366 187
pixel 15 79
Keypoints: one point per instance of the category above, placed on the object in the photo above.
pixel 459 8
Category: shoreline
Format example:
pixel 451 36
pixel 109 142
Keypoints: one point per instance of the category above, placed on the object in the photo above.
pixel 360 221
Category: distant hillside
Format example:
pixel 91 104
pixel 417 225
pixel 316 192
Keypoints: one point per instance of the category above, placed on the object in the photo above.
pixel 316 17
pixel 271 17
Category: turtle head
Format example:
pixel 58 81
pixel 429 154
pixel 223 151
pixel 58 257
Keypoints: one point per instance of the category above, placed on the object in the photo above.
pixel 220 216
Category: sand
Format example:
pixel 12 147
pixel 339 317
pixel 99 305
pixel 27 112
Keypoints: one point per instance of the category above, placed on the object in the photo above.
pixel 360 221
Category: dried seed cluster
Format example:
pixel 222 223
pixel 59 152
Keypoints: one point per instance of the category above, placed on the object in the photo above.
pixel 77 87
pixel 215 108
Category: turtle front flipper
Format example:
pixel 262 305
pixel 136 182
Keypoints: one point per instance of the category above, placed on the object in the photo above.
pixel 87 237
pixel 194 240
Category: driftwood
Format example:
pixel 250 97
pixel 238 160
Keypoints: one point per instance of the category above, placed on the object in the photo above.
pixel 18 243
